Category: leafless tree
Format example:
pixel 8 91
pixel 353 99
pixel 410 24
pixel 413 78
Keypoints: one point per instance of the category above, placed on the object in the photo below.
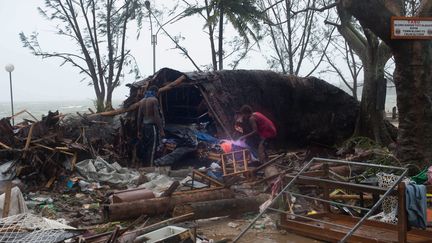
pixel 297 35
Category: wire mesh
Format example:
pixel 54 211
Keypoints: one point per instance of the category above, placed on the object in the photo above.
pixel 31 228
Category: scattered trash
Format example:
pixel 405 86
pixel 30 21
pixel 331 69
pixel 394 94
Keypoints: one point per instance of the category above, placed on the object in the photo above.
pixel 233 225
pixel 98 170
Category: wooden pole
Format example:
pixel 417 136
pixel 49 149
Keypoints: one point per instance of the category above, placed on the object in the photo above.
pixel 218 208
pixel 7 199
pixel 128 210
pixel 402 217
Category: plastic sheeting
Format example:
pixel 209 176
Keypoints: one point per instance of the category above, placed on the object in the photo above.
pixel 176 156
pixel 98 170
pixel 157 183
pixel 6 173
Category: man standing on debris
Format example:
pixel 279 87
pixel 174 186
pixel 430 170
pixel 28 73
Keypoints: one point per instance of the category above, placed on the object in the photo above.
pixel 149 124
pixel 262 129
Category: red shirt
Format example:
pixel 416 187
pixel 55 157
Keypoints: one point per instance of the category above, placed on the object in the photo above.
pixel 265 127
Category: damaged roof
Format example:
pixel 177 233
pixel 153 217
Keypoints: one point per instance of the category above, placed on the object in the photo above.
pixel 304 110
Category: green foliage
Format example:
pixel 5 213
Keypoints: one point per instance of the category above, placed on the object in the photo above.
pixel 243 15
pixel 360 142
pixel 379 155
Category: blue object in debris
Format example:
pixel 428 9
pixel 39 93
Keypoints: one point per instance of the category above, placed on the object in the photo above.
pixel 206 137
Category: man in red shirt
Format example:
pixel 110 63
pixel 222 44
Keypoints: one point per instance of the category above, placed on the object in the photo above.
pixel 261 129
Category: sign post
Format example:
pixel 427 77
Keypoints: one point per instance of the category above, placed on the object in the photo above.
pixel 413 28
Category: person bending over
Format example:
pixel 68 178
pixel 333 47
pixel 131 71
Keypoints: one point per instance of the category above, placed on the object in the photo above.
pixel 262 129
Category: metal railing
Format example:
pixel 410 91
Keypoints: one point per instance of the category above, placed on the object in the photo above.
pixel 356 186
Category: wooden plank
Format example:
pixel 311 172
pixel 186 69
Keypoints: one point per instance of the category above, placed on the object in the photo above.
pixel 5 146
pixel 219 208
pixel 213 108
pixel 326 189
pixel 29 137
pixel 223 165
pixel 7 200
pixel 43 146
pixel 269 162
pixel 245 162
pixel 50 182
pixel 234 162
pixel 402 217
pixel 74 160
pixel 208 178
pixel 198 190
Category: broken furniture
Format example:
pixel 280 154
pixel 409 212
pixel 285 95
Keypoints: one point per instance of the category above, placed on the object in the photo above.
pixel 329 226
pixel 199 178
pixel 236 163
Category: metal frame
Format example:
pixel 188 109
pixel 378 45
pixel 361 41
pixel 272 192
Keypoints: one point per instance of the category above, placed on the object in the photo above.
pixel 326 162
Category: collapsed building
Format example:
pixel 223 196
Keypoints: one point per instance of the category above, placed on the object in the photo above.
pixel 304 110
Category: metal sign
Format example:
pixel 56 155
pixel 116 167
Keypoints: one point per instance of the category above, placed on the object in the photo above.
pixel 411 28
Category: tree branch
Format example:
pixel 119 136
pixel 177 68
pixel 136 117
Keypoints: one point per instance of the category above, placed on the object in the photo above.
pixel 322 9
pixel 323 53
pixel 66 57
pixel 425 9
pixel 355 40
pixel 371 12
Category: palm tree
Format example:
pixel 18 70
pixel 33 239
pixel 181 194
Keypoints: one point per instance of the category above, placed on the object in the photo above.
pixel 243 15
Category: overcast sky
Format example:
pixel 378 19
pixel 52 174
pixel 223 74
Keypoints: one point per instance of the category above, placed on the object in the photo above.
pixel 36 79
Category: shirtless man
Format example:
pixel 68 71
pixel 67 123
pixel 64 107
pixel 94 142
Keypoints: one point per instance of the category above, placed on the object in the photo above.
pixel 149 124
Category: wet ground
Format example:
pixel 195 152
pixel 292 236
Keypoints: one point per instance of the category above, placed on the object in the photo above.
pixel 228 228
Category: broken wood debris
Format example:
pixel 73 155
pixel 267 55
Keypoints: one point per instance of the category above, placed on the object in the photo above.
pixel 134 209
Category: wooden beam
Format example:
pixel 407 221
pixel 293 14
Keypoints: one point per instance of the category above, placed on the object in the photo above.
pixel 134 209
pixel 402 215
pixel 217 183
pixel 50 182
pixel 5 146
pixel 7 199
pixel 269 162
pixel 29 137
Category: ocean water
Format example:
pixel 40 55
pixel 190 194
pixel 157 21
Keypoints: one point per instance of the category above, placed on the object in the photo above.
pixel 390 96
pixel 40 108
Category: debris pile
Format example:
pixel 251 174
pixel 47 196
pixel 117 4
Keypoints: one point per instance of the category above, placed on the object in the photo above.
pixel 40 152
pixel 86 171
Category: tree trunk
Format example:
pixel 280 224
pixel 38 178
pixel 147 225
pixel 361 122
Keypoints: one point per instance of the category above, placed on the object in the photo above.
pixel 414 98
pixel 99 103
pixel 290 33
pixel 108 101
pixel 221 27
pixel 211 36
pixel 371 121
